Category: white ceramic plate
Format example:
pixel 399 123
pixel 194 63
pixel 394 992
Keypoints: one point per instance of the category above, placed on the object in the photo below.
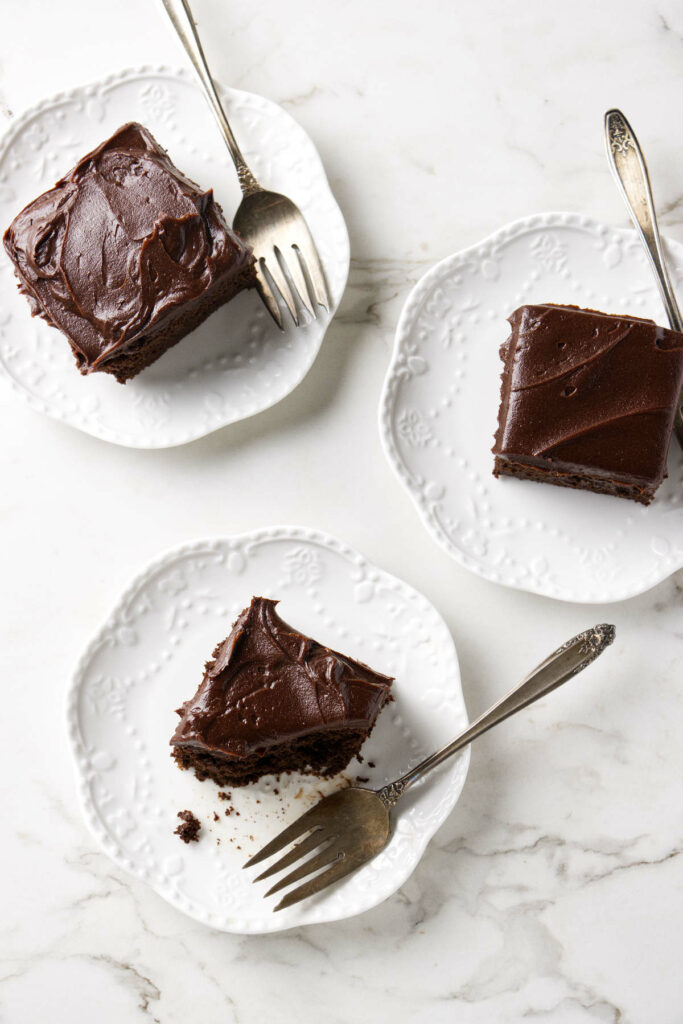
pixel 237 362
pixel 148 658
pixel 439 411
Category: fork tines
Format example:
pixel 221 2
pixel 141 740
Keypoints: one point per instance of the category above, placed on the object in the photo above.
pixel 296 275
pixel 331 856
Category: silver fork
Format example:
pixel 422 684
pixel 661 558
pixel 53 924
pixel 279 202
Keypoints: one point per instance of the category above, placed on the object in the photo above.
pixel 287 261
pixel 352 826
pixel 630 171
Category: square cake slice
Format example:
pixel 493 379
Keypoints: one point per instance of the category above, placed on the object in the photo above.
pixel 588 400
pixel 125 255
pixel 273 700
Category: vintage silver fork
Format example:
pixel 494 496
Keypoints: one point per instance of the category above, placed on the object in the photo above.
pixel 287 260
pixel 353 825
pixel 630 171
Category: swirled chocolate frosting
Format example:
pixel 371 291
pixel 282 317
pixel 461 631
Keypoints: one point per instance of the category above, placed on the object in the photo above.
pixel 588 399
pixel 121 247
pixel 269 684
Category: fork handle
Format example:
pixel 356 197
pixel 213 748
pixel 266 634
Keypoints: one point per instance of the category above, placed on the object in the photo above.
pixel 183 22
pixel 561 665
pixel 630 171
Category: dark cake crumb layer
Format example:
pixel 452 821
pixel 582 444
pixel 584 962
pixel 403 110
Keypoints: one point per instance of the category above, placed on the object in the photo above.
pixel 577 481
pixel 314 755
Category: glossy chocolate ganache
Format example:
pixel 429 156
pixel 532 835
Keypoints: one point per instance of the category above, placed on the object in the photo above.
pixel 273 699
pixel 125 252
pixel 588 400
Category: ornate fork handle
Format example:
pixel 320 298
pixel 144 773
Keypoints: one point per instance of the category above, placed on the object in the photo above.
pixel 181 17
pixel 629 168
pixel 630 171
pixel 567 661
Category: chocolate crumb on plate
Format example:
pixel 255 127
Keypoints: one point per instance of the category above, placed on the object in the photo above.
pixel 189 827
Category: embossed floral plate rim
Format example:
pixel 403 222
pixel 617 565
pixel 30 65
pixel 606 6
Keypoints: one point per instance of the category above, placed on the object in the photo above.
pixel 140 427
pixel 665 553
pixel 414 827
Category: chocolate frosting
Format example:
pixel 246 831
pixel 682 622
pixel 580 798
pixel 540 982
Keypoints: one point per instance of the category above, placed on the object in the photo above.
pixel 584 389
pixel 269 684
pixel 118 244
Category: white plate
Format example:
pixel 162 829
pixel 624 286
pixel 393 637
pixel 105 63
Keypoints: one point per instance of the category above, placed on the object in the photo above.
pixel 237 362
pixel 148 658
pixel 439 411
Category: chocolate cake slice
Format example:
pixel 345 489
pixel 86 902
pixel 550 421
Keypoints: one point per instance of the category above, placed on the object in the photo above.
pixel 273 700
pixel 588 400
pixel 125 255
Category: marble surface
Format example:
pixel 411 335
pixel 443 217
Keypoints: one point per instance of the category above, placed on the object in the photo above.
pixel 555 890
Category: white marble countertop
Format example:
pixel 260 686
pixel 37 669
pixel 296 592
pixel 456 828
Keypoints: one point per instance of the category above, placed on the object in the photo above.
pixel 555 890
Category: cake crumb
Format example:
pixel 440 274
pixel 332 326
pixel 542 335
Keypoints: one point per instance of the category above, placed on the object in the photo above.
pixel 215 817
pixel 224 796
pixel 371 764
pixel 189 827
pixel 276 791
pixel 362 778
